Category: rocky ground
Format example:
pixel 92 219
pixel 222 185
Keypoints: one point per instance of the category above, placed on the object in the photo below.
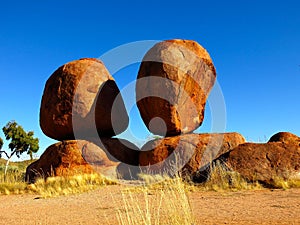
pixel 99 207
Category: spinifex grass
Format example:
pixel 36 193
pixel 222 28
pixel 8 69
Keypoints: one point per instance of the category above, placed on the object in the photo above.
pixel 165 202
pixel 279 182
pixel 52 186
pixel 222 179
pixel 13 183
pixel 55 186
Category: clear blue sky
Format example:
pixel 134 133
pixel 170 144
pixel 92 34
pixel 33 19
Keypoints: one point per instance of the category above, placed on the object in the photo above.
pixel 255 46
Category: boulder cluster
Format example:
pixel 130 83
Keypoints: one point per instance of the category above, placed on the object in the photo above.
pixel 173 83
pixel 83 109
pixel 79 103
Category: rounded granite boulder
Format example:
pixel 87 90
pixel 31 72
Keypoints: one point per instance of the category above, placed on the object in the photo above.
pixel 174 80
pixel 82 99
pixel 69 158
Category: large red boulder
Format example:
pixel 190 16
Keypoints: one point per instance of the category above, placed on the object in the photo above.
pixel 78 99
pixel 70 158
pixel 265 162
pixel 174 80
pixel 186 153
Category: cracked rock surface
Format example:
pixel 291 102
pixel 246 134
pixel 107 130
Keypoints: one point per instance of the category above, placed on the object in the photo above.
pixel 173 84
pixel 265 162
pixel 78 96
pixel 285 137
pixel 68 158
pixel 188 153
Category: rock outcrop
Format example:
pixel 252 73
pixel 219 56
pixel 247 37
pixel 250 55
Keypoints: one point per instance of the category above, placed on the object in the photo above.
pixel 173 84
pixel 285 137
pixel 66 159
pixel 186 153
pixel 78 96
pixel 82 101
pixel 264 162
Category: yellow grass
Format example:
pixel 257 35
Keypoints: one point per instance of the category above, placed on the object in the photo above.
pixel 166 202
pixel 156 200
pixel 52 186
pixel 14 182
pixel 56 186
pixel 281 183
pixel 222 179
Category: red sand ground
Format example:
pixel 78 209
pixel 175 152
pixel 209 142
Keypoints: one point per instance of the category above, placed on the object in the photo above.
pixel 97 207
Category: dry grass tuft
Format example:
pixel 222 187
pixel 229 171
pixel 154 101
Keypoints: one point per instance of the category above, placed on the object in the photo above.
pixel 222 179
pixel 52 186
pixel 14 182
pixel 56 186
pixel 165 202
pixel 279 182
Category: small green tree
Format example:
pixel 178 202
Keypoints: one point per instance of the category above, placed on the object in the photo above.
pixel 20 142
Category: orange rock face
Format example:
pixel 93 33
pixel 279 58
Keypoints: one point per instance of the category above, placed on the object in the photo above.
pixel 186 153
pixel 173 84
pixel 285 137
pixel 78 96
pixel 66 159
pixel 265 162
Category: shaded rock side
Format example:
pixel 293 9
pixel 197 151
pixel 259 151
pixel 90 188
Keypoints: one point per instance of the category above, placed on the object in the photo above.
pixel 78 98
pixel 118 150
pixel 122 151
pixel 174 80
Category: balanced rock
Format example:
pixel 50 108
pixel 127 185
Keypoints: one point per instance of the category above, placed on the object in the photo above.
pixel 66 159
pixel 79 99
pixel 264 162
pixel 187 153
pixel 174 80
pixel 285 137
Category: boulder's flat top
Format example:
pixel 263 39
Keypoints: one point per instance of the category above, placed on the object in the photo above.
pixel 99 207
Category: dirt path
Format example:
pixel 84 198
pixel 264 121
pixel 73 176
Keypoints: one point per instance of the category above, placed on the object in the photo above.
pixel 99 207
